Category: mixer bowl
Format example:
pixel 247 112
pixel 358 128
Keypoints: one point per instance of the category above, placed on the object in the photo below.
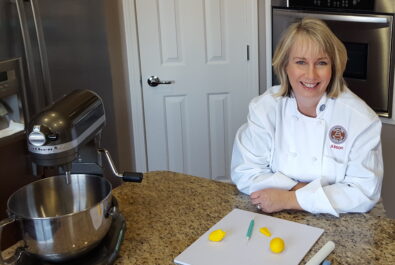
pixel 62 218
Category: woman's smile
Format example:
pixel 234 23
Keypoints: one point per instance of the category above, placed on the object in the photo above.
pixel 309 85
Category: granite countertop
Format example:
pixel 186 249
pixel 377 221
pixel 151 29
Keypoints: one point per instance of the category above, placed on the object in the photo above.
pixel 168 211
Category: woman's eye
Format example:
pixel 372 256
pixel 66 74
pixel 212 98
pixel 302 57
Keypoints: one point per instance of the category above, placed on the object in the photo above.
pixel 322 63
pixel 300 62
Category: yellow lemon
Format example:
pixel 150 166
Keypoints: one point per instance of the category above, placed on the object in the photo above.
pixel 277 245
pixel 265 231
pixel 217 235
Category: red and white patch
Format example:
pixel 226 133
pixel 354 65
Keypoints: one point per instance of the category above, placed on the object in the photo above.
pixel 338 135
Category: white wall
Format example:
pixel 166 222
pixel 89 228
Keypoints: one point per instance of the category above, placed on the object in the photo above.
pixel 123 119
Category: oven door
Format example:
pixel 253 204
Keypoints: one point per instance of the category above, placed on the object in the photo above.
pixel 368 41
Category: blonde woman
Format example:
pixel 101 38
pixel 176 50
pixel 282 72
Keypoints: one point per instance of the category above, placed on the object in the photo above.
pixel 310 143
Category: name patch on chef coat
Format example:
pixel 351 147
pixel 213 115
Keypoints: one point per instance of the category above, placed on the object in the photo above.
pixel 337 134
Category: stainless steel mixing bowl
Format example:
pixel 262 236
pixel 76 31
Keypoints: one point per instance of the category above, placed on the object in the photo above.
pixel 61 218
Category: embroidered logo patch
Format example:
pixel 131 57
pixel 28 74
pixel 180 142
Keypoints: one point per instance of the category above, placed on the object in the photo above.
pixel 337 134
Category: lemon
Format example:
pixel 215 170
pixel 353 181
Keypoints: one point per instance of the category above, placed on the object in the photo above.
pixel 265 231
pixel 217 235
pixel 277 245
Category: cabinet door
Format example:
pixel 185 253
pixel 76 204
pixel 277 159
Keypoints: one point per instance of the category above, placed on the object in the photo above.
pixel 14 173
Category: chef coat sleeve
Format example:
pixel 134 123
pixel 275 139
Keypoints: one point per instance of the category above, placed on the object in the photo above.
pixel 252 151
pixel 359 189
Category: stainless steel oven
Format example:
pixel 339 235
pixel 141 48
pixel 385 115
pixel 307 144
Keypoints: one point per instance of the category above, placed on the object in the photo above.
pixel 366 27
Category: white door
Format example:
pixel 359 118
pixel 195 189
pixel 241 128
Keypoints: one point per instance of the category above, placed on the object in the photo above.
pixel 201 46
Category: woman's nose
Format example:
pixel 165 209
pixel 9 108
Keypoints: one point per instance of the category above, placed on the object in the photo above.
pixel 311 72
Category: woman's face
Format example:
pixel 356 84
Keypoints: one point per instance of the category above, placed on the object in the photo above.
pixel 309 71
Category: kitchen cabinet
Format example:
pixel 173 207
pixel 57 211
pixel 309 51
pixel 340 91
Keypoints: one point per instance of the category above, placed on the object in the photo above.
pixel 14 173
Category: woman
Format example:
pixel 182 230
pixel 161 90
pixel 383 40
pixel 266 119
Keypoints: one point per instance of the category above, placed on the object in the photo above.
pixel 309 144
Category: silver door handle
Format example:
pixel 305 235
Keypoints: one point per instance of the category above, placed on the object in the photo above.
pixel 29 58
pixel 42 49
pixel 155 81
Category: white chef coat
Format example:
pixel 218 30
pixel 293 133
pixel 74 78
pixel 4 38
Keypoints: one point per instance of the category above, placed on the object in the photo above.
pixel 338 152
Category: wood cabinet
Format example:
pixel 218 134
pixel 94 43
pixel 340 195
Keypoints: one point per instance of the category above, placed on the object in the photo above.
pixel 15 172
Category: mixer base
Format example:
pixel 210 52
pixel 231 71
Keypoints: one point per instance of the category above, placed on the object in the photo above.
pixel 104 254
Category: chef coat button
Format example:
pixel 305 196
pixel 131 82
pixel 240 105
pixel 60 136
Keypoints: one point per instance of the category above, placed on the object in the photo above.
pixel 322 107
pixel 314 158
pixel 293 154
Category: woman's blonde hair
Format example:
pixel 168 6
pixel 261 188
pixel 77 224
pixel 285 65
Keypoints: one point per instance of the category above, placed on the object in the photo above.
pixel 318 32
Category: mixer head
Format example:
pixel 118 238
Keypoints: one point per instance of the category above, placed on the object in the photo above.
pixel 56 134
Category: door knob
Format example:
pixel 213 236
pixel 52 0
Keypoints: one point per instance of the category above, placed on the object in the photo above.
pixel 154 81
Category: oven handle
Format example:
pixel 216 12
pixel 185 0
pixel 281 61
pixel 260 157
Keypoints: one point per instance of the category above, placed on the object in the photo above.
pixel 345 18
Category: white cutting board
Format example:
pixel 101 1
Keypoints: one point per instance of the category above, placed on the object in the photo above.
pixel 235 249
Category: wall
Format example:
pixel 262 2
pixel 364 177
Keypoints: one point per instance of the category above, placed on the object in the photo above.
pixel 121 95
pixel 262 46
pixel 388 142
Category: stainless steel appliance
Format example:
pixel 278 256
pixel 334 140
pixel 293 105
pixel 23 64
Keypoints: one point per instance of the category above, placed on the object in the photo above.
pixel 54 48
pixel 67 134
pixel 65 216
pixel 367 30
pixel 62 219
pixel 12 90
pixel 63 46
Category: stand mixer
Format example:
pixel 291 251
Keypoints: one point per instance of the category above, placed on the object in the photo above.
pixel 66 137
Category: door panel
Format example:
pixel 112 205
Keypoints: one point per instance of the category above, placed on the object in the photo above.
pixel 176 134
pixel 169 33
pixel 219 131
pixel 214 23
pixel 200 45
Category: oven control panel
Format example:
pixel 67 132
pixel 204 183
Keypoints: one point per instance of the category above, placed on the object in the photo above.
pixel 334 4
pixel 11 89
pixel 8 80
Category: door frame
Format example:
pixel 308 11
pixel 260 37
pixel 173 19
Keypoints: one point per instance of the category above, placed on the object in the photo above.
pixel 133 73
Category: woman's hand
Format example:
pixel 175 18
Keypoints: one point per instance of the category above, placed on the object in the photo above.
pixel 274 200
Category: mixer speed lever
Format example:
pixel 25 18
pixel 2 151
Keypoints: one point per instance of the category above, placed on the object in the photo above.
pixel 126 176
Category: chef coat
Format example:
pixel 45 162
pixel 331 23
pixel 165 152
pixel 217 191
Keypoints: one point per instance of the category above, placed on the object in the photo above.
pixel 338 152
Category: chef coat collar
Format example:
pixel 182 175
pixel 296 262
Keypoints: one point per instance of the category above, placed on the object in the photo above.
pixel 321 106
